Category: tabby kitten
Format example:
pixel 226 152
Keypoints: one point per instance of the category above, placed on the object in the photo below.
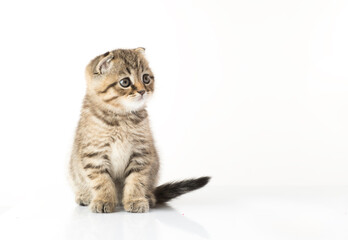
pixel 114 158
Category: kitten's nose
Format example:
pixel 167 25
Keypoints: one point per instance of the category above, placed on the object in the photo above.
pixel 141 92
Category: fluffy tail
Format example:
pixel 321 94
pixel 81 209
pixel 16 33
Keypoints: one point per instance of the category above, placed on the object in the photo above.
pixel 168 191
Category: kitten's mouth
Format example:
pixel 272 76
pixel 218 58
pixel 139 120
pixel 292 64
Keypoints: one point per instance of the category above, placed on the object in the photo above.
pixel 141 97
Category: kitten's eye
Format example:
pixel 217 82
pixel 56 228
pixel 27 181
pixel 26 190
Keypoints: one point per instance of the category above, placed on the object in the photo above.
pixel 146 78
pixel 125 82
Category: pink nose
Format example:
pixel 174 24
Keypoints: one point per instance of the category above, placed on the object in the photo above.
pixel 141 92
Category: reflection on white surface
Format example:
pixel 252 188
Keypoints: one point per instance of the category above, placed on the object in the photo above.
pixel 123 225
pixel 303 213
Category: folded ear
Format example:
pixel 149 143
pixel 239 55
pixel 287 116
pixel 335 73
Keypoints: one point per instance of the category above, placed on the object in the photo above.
pixel 140 50
pixel 104 63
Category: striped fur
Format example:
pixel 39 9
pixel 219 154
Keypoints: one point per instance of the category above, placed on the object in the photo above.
pixel 114 159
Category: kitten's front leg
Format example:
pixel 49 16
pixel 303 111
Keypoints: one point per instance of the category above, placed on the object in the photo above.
pixel 102 187
pixel 134 193
pixel 140 175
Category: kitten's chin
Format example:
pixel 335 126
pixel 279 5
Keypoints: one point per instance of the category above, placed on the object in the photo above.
pixel 136 104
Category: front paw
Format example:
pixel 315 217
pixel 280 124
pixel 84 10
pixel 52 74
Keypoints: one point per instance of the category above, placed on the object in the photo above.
pixel 83 200
pixel 102 206
pixel 137 206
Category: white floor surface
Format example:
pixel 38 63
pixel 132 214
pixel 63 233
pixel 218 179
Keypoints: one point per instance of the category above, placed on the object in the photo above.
pixel 211 213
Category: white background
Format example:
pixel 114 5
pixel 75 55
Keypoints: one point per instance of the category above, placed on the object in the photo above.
pixel 252 93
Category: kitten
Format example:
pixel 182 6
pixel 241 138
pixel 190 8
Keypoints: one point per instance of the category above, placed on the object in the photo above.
pixel 114 158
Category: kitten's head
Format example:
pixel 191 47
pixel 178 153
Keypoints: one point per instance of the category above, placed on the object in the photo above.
pixel 120 80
